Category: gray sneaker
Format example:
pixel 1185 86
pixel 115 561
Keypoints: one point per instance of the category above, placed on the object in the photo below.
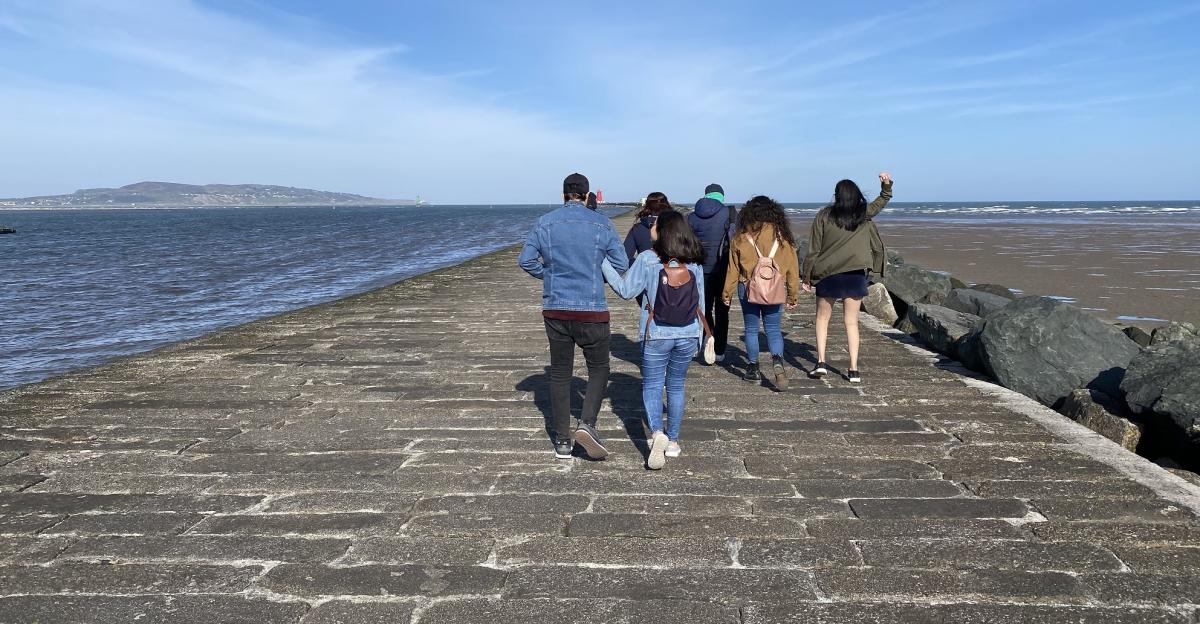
pixel 658 451
pixel 564 449
pixel 673 450
pixel 587 437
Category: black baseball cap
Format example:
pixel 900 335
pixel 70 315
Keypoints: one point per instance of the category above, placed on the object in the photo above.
pixel 714 188
pixel 575 183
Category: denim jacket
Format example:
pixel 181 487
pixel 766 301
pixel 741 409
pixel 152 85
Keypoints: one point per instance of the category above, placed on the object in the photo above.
pixel 643 277
pixel 565 250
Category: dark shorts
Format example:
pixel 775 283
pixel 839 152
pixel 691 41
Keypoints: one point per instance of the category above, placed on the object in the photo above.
pixel 849 285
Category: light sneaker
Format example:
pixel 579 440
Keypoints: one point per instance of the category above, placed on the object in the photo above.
pixel 587 437
pixel 658 451
pixel 673 449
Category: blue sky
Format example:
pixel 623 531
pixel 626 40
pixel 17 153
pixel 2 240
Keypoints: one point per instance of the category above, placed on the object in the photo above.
pixel 493 102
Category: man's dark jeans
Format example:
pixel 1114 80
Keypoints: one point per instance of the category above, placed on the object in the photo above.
pixel 595 340
pixel 713 284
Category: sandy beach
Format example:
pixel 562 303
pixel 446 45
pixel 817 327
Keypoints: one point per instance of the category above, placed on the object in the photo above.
pixel 1142 272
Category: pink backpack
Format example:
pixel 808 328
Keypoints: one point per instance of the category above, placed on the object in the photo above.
pixel 766 286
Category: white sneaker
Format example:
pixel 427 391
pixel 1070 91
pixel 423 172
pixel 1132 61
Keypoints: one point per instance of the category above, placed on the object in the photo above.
pixel 658 450
pixel 673 449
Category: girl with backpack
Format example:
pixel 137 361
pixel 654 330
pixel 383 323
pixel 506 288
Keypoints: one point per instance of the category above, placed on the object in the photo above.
pixel 843 245
pixel 764 270
pixel 672 327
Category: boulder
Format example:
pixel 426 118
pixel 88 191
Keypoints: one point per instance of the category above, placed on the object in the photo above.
pixel 1166 379
pixel 970 350
pixel 996 289
pixel 893 257
pixel 1044 349
pixel 879 304
pixel 941 328
pixel 1138 335
pixel 957 283
pixel 910 284
pixel 975 302
pixel 906 325
pixel 1184 333
pixel 1104 415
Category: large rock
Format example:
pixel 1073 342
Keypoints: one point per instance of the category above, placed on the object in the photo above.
pixel 1182 333
pixel 893 257
pixel 996 289
pixel 975 302
pixel 1045 349
pixel 1166 379
pixel 1104 415
pixel 970 350
pixel 879 304
pixel 1138 335
pixel 941 328
pixel 911 284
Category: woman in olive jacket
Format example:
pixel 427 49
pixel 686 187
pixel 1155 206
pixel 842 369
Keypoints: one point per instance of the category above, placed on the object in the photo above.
pixel 843 245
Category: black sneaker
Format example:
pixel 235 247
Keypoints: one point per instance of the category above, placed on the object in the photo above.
pixel 752 373
pixel 587 437
pixel 854 376
pixel 780 371
pixel 820 371
pixel 564 450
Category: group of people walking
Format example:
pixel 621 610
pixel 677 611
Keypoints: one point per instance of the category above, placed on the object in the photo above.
pixel 684 273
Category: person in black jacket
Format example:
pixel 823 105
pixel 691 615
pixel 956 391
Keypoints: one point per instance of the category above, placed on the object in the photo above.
pixel 638 239
pixel 714 223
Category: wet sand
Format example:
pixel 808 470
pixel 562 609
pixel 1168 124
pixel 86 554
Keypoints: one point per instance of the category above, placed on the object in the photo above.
pixel 1132 273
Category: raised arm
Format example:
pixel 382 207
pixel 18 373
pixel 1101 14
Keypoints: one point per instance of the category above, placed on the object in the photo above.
pixel 531 254
pixel 626 286
pixel 885 194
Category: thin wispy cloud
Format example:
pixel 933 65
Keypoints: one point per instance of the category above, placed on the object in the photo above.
pixel 476 102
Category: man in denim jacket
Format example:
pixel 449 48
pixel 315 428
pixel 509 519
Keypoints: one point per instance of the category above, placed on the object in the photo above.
pixel 565 250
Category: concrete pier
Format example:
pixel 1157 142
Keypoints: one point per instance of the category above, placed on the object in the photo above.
pixel 384 458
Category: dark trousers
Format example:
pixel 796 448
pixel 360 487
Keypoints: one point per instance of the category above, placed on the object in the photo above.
pixel 595 340
pixel 715 310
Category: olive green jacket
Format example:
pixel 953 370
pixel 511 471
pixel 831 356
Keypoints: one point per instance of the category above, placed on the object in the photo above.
pixel 833 250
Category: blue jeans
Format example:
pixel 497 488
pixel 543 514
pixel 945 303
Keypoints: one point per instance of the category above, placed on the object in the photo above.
pixel 771 315
pixel 665 362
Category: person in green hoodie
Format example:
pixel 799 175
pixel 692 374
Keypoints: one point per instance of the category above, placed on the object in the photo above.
pixel 843 245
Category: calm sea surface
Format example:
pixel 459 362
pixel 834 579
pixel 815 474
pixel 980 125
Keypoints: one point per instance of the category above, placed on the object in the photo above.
pixel 80 287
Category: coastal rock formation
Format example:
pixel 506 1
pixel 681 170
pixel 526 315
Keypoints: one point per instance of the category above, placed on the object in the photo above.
pixel 1138 335
pixel 1045 349
pixel 941 328
pixel 1175 333
pixel 910 284
pixel 1104 415
pixel 878 304
pixel 975 302
pixel 1166 379
pixel 957 283
pixel 893 257
pixel 995 289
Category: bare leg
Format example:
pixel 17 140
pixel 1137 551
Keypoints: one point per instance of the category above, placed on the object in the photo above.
pixel 851 307
pixel 824 313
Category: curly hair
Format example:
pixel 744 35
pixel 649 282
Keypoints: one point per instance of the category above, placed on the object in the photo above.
pixel 762 210
pixel 656 203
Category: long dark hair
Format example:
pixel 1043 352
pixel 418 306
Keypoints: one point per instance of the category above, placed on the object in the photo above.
pixel 655 204
pixel 762 210
pixel 849 207
pixel 676 240
pixel 591 201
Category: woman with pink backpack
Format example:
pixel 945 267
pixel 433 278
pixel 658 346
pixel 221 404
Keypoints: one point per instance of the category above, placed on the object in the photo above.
pixel 765 272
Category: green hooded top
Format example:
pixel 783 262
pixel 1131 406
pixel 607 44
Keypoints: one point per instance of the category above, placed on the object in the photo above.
pixel 833 250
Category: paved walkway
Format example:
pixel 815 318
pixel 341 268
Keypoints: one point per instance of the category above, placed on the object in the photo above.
pixel 383 459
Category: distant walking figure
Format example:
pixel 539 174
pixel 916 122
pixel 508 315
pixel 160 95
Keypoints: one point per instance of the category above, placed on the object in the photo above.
pixel 714 224
pixel 638 239
pixel 671 324
pixel 565 250
pixel 591 202
pixel 764 271
pixel 843 245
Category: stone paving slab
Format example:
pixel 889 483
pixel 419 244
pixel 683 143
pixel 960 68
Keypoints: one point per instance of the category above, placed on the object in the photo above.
pixel 384 458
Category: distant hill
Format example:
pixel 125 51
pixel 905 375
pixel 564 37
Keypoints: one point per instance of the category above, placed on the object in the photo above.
pixel 149 194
